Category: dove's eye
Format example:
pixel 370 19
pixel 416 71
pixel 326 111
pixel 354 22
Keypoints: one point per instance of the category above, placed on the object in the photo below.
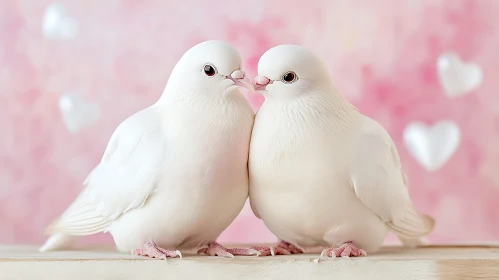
pixel 289 77
pixel 209 70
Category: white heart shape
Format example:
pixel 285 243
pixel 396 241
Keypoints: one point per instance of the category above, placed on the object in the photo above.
pixel 57 24
pixel 76 113
pixel 432 146
pixel 458 78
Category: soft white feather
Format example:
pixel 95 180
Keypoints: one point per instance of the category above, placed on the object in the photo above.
pixel 322 173
pixel 381 185
pixel 58 241
pixel 176 172
pixel 123 180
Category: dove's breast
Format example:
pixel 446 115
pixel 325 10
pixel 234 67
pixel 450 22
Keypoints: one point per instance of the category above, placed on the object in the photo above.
pixel 300 186
pixel 203 188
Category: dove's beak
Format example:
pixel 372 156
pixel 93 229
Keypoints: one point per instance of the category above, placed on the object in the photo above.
pixel 239 78
pixel 261 83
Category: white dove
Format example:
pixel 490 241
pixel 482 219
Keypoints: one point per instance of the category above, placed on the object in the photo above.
pixel 174 175
pixel 322 175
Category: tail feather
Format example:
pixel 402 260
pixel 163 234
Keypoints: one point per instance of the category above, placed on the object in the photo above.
pixel 58 241
pixel 413 242
pixel 412 227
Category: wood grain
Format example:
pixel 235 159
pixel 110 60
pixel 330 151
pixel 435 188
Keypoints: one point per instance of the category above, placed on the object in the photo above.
pixel 432 262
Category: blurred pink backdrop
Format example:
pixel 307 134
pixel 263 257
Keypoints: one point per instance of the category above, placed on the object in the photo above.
pixel 71 71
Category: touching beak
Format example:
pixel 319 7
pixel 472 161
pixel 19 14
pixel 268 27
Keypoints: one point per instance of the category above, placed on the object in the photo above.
pixel 261 83
pixel 240 79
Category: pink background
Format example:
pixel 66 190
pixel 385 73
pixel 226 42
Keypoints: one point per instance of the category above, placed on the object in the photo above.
pixel 116 57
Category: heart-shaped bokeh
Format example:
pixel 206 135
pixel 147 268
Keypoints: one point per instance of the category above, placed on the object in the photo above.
pixel 432 146
pixel 77 113
pixel 458 78
pixel 57 24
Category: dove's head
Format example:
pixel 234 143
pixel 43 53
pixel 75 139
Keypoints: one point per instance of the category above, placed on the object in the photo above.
pixel 287 71
pixel 210 67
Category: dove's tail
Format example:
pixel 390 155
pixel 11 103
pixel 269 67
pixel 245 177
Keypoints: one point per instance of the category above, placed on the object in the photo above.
pixel 57 241
pixel 414 242
pixel 412 227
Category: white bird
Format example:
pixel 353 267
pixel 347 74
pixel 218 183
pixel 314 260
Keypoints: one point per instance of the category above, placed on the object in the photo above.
pixel 322 175
pixel 174 175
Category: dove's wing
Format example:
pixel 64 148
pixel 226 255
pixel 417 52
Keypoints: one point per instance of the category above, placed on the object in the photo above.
pixel 380 184
pixel 123 180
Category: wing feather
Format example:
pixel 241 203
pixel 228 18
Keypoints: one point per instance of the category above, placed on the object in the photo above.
pixel 122 181
pixel 380 184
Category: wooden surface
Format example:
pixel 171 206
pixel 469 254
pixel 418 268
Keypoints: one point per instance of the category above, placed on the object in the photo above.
pixel 432 262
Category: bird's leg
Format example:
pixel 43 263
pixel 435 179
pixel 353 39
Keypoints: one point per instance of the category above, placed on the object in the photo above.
pixel 153 251
pixel 215 249
pixel 346 250
pixel 280 248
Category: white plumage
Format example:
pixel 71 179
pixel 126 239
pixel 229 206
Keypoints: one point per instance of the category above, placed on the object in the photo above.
pixel 174 173
pixel 321 173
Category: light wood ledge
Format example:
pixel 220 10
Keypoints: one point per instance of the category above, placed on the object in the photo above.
pixel 458 262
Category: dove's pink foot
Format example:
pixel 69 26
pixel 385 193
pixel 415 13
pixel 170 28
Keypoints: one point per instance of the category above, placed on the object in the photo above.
pixel 348 249
pixel 215 249
pixel 153 251
pixel 243 252
pixel 280 248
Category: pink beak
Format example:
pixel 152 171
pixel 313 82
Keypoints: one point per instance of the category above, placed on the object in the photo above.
pixel 261 82
pixel 239 78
